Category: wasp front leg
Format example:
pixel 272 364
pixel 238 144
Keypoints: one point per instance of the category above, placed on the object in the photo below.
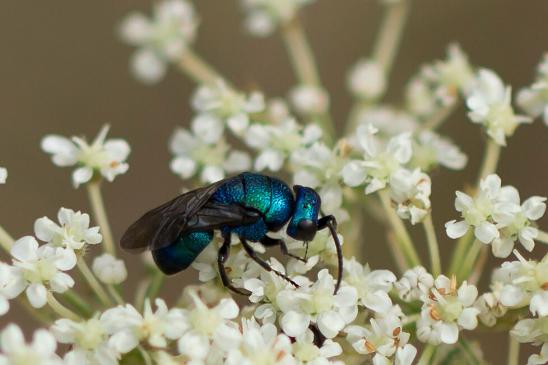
pixel 271 242
pixel 222 256
pixel 330 222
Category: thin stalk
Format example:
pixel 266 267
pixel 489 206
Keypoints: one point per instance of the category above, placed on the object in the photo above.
pixel 397 254
pixel 305 68
pixel 480 264
pixel 60 309
pixel 542 237
pixel 115 294
pixel 197 69
pixel 155 284
pixel 490 159
pixel 439 117
pixel 145 355
pixel 6 241
pixel 513 351
pixel 96 200
pixel 141 293
pixel 390 34
pixel 427 355
pixel 469 352
pixel 433 247
pixel 76 301
pixel 460 250
pixel 469 260
pixel 402 236
pixel 93 282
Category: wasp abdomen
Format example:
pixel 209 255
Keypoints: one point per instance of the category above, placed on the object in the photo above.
pixel 180 254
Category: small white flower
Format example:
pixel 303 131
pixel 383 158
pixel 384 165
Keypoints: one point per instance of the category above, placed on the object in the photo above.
pixel 385 340
pixel 39 269
pixel 317 304
pixel 321 249
pixel 104 157
pixel 109 269
pixel 128 327
pixel 477 212
pixel 372 286
pixel 309 100
pixel 415 284
pixel 3 175
pixel 14 350
pixel 379 162
pixel 261 345
pixel 277 142
pixel 264 16
pixel 233 108
pixel 446 311
pixel 410 190
pixel 490 104
pixel 72 233
pixel 367 80
pixel 11 285
pixel 88 340
pixel 534 99
pixel 161 39
pixel 489 305
pixel 204 151
pixel 535 331
pixel 525 283
pixel 209 328
pixel 430 149
pixel 389 121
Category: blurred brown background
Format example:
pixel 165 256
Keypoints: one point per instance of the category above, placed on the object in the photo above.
pixel 63 70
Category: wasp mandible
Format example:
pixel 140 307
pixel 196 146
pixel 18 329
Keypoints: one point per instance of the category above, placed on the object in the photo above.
pixel 249 205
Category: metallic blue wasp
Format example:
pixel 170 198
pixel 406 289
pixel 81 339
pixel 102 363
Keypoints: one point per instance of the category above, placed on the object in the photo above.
pixel 249 205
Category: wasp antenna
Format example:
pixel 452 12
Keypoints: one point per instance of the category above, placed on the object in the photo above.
pixel 306 252
pixel 339 255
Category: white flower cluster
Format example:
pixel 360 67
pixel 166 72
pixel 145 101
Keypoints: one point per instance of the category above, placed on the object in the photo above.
pixel 534 99
pixel 264 16
pixel 37 269
pixel 497 216
pixel 103 157
pixel 161 39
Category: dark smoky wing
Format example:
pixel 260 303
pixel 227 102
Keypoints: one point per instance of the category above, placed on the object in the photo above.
pixel 216 215
pixel 162 225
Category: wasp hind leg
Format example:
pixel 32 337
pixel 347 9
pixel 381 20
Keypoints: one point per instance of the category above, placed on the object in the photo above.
pixel 330 223
pixel 265 265
pixel 271 242
pixel 222 256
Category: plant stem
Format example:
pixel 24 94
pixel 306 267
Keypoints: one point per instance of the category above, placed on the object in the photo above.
pixel 114 293
pixel 469 352
pixel 304 66
pixel 480 264
pixel 439 117
pixel 93 282
pixel 427 355
pixel 6 241
pixel 145 355
pixel 155 284
pixel 542 237
pixel 197 69
pixel 402 236
pixel 513 351
pixel 469 260
pixel 96 200
pixel 60 309
pixel 389 36
pixel 490 159
pixel 433 247
pixel 83 308
pixel 397 254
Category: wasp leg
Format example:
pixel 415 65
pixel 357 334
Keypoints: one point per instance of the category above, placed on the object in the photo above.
pixel 263 263
pixel 222 256
pixel 330 222
pixel 270 242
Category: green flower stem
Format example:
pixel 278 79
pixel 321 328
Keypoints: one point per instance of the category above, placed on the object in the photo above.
pixel 490 159
pixel 93 282
pixel 471 357
pixel 155 284
pixel 397 254
pixel 542 237
pixel 390 34
pixel 115 294
pixel 480 265
pixel 76 301
pixel 427 355
pixel 469 260
pixel 461 248
pixel 145 355
pixel 6 241
pixel 96 200
pixel 304 65
pixel 439 117
pixel 402 236
pixel 197 69
pixel 60 309
pixel 433 247
pixel 513 351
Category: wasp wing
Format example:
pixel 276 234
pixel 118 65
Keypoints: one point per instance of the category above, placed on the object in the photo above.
pixel 162 225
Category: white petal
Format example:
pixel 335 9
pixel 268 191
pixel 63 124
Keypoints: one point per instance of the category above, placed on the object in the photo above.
pixel 353 174
pixel 294 323
pixel 468 318
pixel 534 207
pixel 212 174
pixel 44 342
pixel 539 304
pixel 147 66
pixel 486 232
pixel 330 324
pixel 183 166
pixel 11 338
pixel 3 175
pixel 228 309
pixel 25 249
pixel 37 295
pixel 502 247
pixel 456 229
pixel 4 305
pixel 81 176
pixel 449 333
pixel 64 152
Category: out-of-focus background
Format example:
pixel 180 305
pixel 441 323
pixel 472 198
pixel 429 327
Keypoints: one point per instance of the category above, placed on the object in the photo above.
pixel 63 70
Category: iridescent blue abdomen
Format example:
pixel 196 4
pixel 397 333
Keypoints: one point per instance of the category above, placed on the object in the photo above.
pixel 179 255
pixel 269 196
